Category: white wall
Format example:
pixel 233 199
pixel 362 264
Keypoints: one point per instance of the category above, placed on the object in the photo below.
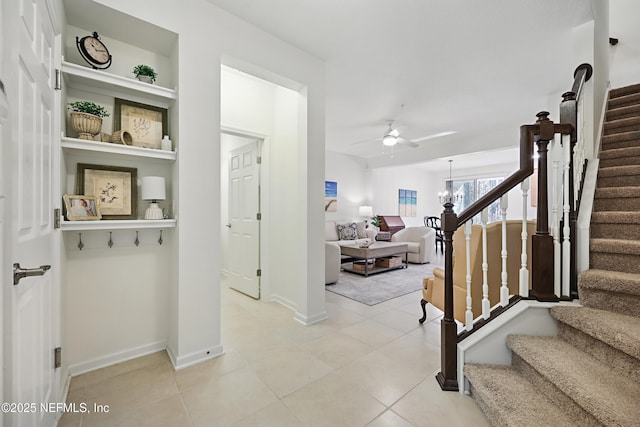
pixel 625 67
pixel 354 184
pixel 194 333
pixel 387 181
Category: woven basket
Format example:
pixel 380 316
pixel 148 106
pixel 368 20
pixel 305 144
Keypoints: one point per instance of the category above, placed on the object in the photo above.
pixel 87 125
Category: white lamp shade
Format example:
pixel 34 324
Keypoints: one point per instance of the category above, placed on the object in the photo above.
pixel 153 188
pixel 389 140
pixel 365 211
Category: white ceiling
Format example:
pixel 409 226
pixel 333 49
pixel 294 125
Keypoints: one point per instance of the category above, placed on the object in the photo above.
pixel 468 66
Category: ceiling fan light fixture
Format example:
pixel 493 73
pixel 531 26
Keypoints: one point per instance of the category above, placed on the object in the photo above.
pixel 389 140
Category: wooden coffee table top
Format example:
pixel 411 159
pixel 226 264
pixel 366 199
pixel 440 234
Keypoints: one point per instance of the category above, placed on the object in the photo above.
pixel 375 250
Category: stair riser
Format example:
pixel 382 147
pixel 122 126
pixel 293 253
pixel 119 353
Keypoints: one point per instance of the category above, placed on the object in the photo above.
pixel 625 101
pixel 632 111
pixel 628 204
pixel 493 416
pixel 615 231
pixel 613 129
pixel 616 359
pixel 619 181
pixel 612 144
pixel 612 301
pixel 553 393
pixel 624 91
pixel 620 161
pixel 614 262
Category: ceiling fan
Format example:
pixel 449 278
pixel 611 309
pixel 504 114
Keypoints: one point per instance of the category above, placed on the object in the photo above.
pixel 392 137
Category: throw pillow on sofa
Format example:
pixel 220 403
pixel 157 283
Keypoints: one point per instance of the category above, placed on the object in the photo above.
pixel 348 231
pixel 362 234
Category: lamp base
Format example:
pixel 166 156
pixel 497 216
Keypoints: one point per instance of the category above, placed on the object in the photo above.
pixel 153 212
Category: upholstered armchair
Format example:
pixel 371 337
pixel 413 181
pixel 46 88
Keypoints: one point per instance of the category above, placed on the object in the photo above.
pixel 433 287
pixel 421 242
pixel 331 263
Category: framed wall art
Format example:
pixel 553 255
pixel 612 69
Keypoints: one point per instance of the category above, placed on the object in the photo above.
pixel 116 189
pixel 145 123
pixel 330 196
pixel 81 208
pixel 407 202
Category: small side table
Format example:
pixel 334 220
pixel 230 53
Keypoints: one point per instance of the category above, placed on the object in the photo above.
pixel 383 236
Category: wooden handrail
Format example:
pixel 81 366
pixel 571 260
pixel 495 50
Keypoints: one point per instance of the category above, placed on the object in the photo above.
pixel 541 133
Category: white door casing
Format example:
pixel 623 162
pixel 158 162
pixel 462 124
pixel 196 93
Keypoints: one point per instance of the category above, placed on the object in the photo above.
pixel 244 226
pixel 34 323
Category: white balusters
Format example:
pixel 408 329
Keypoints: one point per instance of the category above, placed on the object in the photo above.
pixel 468 314
pixel 556 194
pixel 504 289
pixel 566 242
pixel 486 305
pixel 524 271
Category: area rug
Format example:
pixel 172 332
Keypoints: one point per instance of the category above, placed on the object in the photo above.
pixel 381 287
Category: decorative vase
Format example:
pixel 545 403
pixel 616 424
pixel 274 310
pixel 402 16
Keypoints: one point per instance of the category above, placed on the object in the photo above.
pixel 87 125
pixel 146 79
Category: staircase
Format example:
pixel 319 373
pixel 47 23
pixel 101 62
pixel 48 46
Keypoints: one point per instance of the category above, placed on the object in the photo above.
pixel 589 374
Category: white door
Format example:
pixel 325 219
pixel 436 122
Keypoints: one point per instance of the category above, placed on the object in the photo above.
pixel 34 300
pixel 244 226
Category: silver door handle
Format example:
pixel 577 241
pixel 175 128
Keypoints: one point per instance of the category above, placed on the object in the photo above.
pixel 228 225
pixel 21 273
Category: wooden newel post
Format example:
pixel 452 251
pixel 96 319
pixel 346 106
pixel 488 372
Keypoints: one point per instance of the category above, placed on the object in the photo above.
pixel 542 242
pixel 448 376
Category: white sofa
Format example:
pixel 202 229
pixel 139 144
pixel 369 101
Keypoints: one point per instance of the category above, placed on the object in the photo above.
pixel 333 243
pixel 421 242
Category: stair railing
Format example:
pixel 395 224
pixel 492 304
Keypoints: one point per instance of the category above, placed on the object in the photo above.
pixel 544 286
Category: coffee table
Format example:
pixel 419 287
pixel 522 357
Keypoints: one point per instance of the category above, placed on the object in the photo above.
pixel 375 250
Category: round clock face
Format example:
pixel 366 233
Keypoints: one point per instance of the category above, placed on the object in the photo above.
pixel 96 50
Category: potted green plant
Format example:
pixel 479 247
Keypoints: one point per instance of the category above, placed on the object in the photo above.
pixel 145 73
pixel 375 221
pixel 86 118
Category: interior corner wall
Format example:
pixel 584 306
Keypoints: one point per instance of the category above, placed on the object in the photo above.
pixel 354 184
pixel 623 19
pixel 195 303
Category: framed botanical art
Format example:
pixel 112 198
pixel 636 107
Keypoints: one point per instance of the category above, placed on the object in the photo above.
pixel 116 189
pixel 81 208
pixel 145 123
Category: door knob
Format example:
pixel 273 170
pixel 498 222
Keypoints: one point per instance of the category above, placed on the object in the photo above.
pixel 21 273
pixel 228 225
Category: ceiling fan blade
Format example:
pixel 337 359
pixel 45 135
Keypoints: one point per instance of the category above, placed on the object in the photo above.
pixel 407 142
pixel 435 135
pixel 365 141
pixel 394 132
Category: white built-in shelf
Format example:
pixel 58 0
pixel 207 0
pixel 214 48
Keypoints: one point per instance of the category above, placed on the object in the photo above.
pixel 105 83
pixel 141 224
pixel 75 144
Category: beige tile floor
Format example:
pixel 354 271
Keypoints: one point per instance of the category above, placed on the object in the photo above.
pixel 364 366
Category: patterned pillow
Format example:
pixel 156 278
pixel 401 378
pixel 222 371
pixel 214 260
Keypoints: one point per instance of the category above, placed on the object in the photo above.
pixel 347 231
pixel 362 234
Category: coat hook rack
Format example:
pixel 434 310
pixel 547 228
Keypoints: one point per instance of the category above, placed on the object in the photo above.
pixel 110 242
pixel 160 239
pixel 80 244
pixel 137 241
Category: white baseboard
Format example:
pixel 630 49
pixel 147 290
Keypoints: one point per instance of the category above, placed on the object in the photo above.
pixel 112 359
pixel 310 320
pixel 285 301
pixel 194 358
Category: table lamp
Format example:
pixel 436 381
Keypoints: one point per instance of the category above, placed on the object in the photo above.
pixel 153 190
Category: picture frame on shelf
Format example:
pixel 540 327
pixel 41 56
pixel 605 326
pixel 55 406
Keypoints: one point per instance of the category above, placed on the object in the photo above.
pixel 79 207
pixel 146 123
pixel 115 187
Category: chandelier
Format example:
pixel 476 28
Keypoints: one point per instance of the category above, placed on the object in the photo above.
pixel 448 196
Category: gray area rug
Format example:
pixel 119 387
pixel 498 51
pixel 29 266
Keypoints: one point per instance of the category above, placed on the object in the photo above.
pixel 381 287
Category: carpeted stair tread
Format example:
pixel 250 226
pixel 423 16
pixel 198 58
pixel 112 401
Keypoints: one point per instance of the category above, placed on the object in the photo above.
pixel 620 101
pixel 615 246
pixel 614 171
pixel 620 152
pixel 617 192
pixel 621 125
pixel 633 137
pixel 613 281
pixel 508 399
pixel 610 397
pixel 623 112
pixel 615 217
pixel 624 91
pixel 620 331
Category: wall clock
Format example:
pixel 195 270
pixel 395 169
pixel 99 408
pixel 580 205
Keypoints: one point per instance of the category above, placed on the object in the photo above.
pixel 94 51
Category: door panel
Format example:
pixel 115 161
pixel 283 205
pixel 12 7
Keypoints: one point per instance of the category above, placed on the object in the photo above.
pixel 244 231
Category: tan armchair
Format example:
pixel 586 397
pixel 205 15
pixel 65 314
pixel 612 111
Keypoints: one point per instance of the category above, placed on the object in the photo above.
pixel 433 287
